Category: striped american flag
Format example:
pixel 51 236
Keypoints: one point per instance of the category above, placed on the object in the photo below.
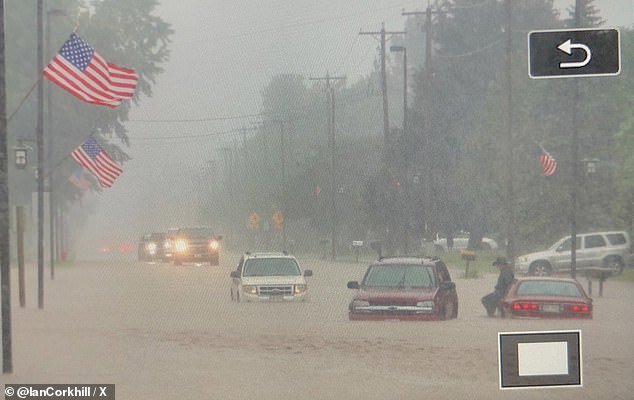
pixel 547 162
pixel 80 70
pixel 92 157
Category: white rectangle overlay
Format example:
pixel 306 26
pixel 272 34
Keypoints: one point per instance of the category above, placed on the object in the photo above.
pixel 546 358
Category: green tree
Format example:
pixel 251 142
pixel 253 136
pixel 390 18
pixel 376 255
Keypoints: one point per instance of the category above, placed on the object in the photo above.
pixel 123 32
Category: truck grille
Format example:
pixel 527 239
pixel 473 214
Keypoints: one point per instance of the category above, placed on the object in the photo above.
pixel 393 303
pixel 276 290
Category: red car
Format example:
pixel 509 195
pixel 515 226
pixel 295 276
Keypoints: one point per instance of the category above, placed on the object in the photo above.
pixel 546 297
pixel 404 288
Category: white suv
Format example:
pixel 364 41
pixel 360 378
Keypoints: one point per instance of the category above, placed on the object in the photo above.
pixel 598 249
pixel 269 277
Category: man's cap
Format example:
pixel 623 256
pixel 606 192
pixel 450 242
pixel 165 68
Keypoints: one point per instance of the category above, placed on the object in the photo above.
pixel 501 260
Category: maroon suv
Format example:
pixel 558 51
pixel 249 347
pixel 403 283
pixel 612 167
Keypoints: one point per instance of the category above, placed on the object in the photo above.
pixel 404 288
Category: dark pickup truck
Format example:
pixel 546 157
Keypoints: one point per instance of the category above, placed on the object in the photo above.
pixel 196 244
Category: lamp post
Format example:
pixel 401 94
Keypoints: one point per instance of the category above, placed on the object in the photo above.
pixel 49 153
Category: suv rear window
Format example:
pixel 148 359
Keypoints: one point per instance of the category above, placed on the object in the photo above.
pixel 616 238
pixel 594 241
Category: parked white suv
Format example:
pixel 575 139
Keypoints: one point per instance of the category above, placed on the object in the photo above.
pixel 461 242
pixel 269 277
pixel 597 249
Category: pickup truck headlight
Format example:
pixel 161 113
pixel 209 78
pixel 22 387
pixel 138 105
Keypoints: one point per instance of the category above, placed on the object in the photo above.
pixel 151 247
pixel 250 289
pixel 180 245
pixel 299 289
pixel 214 245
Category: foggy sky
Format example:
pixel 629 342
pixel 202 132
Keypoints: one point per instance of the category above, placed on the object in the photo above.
pixel 223 54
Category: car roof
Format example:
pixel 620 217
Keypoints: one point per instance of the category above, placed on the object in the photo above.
pixel 599 233
pixel 269 254
pixel 546 278
pixel 400 260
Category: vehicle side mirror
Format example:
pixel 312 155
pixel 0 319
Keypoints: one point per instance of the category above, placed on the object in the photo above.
pixel 219 237
pixel 308 272
pixel 447 285
pixel 353 285
pixel 235 274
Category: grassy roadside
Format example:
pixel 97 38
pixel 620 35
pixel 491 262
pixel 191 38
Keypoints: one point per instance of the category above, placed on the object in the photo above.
pixel 627 275
pixel 477 268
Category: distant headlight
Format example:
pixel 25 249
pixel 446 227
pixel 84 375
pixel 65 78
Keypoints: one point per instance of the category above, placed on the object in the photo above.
pixel 180 245
pixel 214 245
pixel 167 244
pixel 360 303
pixel 299 289
pixel 426 305
pixel 151 247
pixel 250 289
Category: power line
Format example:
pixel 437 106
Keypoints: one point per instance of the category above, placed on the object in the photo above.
pixel 205 119
pixel 294 25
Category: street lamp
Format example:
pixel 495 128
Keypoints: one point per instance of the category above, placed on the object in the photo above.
pixel 591 165
pixel 21 156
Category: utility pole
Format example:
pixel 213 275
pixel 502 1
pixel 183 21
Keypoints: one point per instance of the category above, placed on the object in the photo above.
pixel 510 142
pixel 575 157
pixel 40 156
pixel 330 101
pixel 284 202
pixel 7 357
pixel 229 183
pixel 387 142
pixel 428 13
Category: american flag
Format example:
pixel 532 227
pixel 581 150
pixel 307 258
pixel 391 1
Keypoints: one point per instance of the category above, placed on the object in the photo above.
pixel 79 179
pixel 547 162
pixel 91 156
pixel 80 70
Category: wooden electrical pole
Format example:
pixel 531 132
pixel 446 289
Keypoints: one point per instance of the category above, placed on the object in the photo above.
pixel 330 101
pixel 387 140
pixel 5 297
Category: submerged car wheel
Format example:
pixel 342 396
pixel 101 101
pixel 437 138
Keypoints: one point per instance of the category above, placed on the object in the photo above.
pixel 614 264
pixel 540 268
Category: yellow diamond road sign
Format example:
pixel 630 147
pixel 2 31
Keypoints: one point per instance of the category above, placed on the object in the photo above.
pixel 254 220
pixel 278 219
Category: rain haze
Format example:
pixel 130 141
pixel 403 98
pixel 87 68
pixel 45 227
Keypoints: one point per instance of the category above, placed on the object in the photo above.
pixel 351 257
pixel 223 54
